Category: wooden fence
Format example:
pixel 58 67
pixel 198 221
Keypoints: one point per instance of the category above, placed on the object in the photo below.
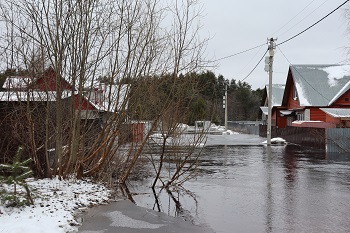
pixel 310 137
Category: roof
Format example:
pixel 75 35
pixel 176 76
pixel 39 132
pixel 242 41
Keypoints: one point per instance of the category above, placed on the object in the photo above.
pixel 112 99
pixel 320 85
pixel 37 96
pixel 264 110
pixel 277 95
pixel 17 82
pixel 337 112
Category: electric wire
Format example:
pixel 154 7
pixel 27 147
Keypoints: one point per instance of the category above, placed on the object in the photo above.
pixel 302 75
pixel 248 65
pixel 293 18
pixel 307 16
pixel 235 54
pixel 296 35
pixel 314 24
pixel 255 66
pixel 283 42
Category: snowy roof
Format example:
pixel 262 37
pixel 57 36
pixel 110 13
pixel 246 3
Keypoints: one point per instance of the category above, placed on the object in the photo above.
pixel 112 97
pixel 320 85
pixel 38 96
pixel 264 110
pixel 17 82
pixel 277 94
pixel 337 112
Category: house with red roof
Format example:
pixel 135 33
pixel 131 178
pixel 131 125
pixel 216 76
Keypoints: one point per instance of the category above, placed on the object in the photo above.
pixel 102 98
pixel 39 95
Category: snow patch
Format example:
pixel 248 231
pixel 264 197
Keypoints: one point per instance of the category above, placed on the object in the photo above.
pixel 277 140
pixel 302 98
pixel 335 73
pixel 55 204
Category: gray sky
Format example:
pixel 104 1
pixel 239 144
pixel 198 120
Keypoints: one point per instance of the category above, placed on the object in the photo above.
pixel 235 26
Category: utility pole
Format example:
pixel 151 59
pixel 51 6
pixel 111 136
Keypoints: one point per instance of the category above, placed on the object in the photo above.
pixel 270 66
pixel 224 105
pixel 226 124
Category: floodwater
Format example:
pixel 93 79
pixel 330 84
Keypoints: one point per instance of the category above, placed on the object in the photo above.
pixel 255 188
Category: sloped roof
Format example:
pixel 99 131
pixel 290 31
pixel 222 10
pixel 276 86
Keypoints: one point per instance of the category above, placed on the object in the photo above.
pixel 337 112
pixel 112 99
pixel 277 94
pixel 320 85
pixel 264 110
pixel 17 82
pixel 37 96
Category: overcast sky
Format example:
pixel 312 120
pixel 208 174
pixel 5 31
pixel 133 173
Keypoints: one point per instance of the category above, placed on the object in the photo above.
pixel 235 26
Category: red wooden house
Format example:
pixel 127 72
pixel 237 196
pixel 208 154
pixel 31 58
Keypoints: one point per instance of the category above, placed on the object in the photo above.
pixel 44 88
pixel 315 96
pixel 40 95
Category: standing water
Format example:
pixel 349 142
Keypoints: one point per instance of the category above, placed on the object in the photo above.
pixel 255 188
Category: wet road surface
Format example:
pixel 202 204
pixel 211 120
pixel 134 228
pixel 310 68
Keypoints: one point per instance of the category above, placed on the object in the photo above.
pixel 254 188
pixel 243 186
pixel 125 217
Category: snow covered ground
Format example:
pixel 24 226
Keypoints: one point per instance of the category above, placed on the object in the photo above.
pixel 190 139
pixel 56 203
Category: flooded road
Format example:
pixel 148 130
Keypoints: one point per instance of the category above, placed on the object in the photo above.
pixel 254 188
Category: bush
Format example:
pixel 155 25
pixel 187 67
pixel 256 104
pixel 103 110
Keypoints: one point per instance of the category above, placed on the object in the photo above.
pixel 16 192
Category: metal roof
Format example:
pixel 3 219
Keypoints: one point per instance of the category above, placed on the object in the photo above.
pixel 320 85
pixel 337 112
pixel 277 94
pixel 264 110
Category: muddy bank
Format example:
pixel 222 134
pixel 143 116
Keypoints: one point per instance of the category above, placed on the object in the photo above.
pixel 124 216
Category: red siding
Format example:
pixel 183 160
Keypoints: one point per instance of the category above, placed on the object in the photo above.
pixel 292 104
pixel 317 115
pixel 138 132
pixel 281 122
pixel 48 82
pixel 85 105
pixel 344 100
pixel 332 119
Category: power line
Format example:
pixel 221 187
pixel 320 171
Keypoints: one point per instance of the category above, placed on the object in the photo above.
pixel 304 18
pixel 314 23
pixel 293 17
pixel 258 46
pixel 255 66
pixel 235 54
pixel 302 75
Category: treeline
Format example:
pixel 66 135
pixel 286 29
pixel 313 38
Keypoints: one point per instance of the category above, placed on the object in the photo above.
pixel 198 96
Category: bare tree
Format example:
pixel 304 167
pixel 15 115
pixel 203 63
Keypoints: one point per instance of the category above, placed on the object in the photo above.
pixel 125 42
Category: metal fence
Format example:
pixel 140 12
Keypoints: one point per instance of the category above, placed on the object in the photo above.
pixel 247 127
pixel 338 140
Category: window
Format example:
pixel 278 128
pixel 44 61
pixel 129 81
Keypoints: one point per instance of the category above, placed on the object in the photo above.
pixel 300 117
pixel 295 93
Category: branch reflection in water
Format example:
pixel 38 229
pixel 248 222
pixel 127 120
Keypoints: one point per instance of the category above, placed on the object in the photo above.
pixel 165 200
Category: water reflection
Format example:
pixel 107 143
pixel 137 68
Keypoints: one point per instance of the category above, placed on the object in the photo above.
pixel 260 189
